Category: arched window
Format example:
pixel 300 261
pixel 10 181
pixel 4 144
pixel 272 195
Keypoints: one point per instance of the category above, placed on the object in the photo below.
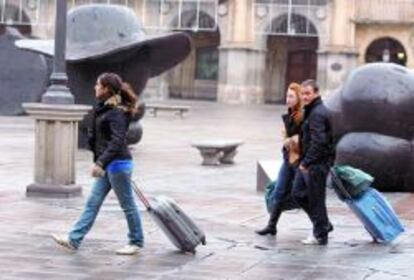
pixel 207 61
pixel 386 50
pixel 293 2
pixel 194 21
pixel 12 16
pixel 296 25
pixel 197 76
pixel 204 21
pixel 206 43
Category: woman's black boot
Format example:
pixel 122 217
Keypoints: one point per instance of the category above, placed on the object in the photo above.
pixel 267 230
pixel 271 226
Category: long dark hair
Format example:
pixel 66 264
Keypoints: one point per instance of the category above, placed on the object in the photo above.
pixel 116 86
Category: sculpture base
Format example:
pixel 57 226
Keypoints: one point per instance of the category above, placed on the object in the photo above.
pixel 53 191
pixel 56 141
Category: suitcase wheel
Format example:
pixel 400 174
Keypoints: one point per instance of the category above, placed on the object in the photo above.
pixel 192 251
pixel 203 241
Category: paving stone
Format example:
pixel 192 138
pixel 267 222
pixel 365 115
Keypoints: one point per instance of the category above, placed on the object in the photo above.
pixel 222 200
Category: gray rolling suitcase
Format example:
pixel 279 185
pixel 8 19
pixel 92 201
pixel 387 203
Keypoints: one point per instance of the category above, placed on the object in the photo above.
pixel 172 220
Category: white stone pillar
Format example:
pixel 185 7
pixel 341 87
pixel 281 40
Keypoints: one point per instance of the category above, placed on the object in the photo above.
pixel 241 62
pixel 334 67
pixel 56 144
pixel 241 75
pixel 338 56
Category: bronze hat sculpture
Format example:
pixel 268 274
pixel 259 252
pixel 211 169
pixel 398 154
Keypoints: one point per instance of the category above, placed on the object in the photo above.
pixel 104 38
pixel 110 38
pixel 113 32
pixel 23 75
pixel 373 120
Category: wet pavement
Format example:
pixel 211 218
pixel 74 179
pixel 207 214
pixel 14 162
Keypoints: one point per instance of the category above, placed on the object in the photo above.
pixel 222 200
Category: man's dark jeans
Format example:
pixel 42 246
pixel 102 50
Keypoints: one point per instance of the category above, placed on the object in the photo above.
pixel 309 191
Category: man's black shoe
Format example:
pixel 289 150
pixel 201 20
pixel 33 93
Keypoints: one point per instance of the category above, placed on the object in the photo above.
pixel 322 240
pixel 267 230
pixel 330 227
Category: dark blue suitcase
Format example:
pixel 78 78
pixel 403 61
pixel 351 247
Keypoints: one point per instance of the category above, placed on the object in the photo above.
pixel 374 211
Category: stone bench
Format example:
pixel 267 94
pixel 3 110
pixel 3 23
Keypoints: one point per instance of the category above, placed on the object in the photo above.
pixel 178 109
pixel 267 171
pixel 215 152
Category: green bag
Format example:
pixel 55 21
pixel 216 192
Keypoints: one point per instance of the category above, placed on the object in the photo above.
pixel 355 181
pixel 270 200
pixel 269 188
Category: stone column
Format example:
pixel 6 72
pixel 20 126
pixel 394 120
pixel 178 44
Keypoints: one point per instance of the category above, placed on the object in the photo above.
pixel 334 66
pixel 242 64
pixel 338 56
pixel 56 143
pixel 241 79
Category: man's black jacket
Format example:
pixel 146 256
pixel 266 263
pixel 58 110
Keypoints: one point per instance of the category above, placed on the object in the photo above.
pixel 107 134
pixel 316 135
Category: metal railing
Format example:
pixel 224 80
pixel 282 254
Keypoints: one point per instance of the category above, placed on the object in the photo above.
pixel 287 17
pixel 154 14
pixel 386 11
pixel 39 12
pixel 19 12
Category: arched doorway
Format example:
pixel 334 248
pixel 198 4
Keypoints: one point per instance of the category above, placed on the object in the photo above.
pixel 13 17
pixel 197 76
pixel 386 50
pixel 291 55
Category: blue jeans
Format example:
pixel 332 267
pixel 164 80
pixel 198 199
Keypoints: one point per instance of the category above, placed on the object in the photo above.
pixel 281 198
pixel 120 182
pixel 281 195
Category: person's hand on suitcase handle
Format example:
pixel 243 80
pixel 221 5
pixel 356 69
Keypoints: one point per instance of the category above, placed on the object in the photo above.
pixel 141 195
pixel 303 168
pixel 97 171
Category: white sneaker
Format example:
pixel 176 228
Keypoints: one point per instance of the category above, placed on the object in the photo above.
pixel 128 250
pixel 63 241
pixel 310 240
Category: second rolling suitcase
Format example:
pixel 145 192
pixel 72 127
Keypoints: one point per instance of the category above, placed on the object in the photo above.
pixel 373 210
pixel 172 220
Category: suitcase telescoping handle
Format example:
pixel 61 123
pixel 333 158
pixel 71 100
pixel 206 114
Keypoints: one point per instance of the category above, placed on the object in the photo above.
pixel 141 195
pixel 339 184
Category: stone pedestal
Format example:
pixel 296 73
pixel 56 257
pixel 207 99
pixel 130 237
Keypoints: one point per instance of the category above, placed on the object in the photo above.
pixel 56 142
pixel 215 152
pixel 241 76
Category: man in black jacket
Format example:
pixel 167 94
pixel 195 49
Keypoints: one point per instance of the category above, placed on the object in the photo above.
pixel 317 155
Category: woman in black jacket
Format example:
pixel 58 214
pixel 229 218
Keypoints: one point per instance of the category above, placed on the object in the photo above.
pixel 116 105
pixel 281 194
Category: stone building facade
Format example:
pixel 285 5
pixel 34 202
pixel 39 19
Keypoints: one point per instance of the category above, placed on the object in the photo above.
pixel 248 51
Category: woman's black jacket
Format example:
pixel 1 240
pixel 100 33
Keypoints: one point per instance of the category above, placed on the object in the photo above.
pixel 107 134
